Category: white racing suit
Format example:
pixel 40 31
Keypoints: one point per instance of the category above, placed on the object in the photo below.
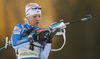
pixel 21 46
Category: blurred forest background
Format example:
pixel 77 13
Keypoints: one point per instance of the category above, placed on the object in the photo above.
pixel 83 40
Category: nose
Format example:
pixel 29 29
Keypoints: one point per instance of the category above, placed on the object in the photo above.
pixel 37 18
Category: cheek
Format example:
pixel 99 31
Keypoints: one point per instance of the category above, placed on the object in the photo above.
pixel 40 19
pixel 32 21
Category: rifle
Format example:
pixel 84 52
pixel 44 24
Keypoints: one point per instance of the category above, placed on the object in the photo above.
pixel 53 29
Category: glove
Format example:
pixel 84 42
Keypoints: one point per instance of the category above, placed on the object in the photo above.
pixel 30 40
pixel 40 37
pixel 51 35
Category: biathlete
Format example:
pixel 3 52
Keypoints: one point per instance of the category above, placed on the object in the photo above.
pixel 23 48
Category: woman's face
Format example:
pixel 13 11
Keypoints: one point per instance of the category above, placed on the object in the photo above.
pixel 34 20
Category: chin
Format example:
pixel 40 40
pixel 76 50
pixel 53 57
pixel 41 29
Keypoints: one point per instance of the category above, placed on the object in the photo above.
pixel 36 26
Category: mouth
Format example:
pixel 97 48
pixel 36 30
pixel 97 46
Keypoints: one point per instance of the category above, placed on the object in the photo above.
pixel 37 22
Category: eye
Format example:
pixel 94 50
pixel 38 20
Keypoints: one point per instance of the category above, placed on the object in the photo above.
pixel 39 16
pixel 34 16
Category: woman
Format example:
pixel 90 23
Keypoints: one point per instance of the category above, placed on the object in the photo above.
pixel 22 45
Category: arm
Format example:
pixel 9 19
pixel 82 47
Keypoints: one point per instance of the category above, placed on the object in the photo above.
pixel 45 52
pixel 16 37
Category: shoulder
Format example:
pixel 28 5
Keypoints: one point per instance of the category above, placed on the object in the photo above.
pixel 18 26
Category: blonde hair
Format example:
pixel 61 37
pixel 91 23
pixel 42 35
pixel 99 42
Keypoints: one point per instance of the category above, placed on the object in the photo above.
pixel 29 5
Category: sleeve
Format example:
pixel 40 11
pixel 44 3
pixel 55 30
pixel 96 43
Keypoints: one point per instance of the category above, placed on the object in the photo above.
pixel 45 52
pixel 16 37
